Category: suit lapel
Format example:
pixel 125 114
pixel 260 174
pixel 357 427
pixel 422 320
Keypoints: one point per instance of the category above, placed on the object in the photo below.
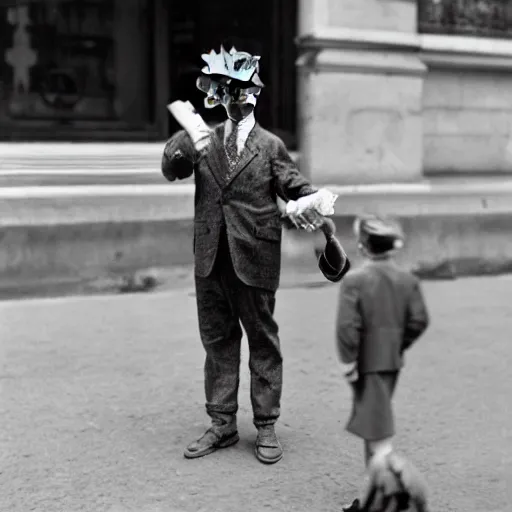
pixel 216 156
pixel 250 152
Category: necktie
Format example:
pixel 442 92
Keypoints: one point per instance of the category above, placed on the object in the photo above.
pixel 232 148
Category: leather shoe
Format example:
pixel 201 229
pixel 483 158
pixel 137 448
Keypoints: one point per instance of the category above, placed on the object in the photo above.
pixel 268 448
pixel 210 442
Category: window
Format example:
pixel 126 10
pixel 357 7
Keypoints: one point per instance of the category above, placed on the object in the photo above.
pixel 74 61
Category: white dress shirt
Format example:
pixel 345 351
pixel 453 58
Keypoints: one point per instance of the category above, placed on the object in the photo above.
pixel 244 129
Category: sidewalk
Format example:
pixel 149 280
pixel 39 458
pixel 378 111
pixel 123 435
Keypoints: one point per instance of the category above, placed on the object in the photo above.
pixel 100 395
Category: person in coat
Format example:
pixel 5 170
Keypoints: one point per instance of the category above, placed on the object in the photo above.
pixel 240 170
pixel 381 313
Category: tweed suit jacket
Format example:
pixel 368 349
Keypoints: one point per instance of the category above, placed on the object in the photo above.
pixel 381 313
pixel 244 204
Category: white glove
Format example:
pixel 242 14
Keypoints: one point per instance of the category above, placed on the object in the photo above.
pixel 191 122
pixel 321 201
pixel 308 211
pixel 309 221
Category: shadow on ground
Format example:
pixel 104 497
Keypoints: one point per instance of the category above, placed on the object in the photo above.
pixel 181 277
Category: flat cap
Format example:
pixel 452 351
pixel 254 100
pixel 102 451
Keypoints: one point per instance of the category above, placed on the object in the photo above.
pixel 378 235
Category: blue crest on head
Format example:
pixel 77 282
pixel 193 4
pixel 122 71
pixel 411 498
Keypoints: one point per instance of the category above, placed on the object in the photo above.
pixel 241 66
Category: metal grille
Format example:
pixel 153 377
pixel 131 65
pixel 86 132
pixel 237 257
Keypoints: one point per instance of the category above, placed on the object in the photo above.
pixel 483 18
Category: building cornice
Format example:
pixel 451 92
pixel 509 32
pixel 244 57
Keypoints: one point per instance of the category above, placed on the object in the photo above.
pixel 399 52
pixel 470 53
pixel 341 38
pixel 364 52
pixel 465 45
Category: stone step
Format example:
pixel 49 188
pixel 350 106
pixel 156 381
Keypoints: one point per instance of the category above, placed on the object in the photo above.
pixel 63 237
pixel 175 201
pixel 53 160
pixel 35 157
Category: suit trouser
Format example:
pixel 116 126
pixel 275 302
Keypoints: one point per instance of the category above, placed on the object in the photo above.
pixel 223 301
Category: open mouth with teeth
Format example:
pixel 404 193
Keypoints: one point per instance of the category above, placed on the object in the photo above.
pixel 221 90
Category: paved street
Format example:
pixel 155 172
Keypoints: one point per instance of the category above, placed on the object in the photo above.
pixel 100 395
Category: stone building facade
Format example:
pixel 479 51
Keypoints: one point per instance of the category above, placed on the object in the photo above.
pixel 368 91
pixel 393 90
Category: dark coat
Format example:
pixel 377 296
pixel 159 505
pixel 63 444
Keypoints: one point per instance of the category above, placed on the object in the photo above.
pixel 245 204
pixel 381 313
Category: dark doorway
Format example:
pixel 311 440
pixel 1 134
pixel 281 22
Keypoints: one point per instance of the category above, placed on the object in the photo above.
pixel 266 28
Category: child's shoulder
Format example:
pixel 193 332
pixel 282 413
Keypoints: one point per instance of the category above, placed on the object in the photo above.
pixel 369 272
pixel 355 277
pixel 408 276
pixel 406 273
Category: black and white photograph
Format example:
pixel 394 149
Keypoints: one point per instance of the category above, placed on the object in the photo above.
pixel 255 255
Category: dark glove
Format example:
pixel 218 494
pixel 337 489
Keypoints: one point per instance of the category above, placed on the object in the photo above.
pixel 332 261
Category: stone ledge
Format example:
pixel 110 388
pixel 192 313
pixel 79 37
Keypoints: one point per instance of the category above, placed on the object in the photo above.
pixel 364 51
pixel 127 257
pixel 31 206
pixel 342 38
pixel 470 53
pixel 466 45
pixel 361 62
pixel 450 60
pixel 64 159
pixel 397 52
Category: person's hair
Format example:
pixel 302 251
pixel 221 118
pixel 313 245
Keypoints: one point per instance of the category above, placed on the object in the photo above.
pixel 380 245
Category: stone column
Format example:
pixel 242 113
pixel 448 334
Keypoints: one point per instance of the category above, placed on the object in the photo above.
pixel 360 91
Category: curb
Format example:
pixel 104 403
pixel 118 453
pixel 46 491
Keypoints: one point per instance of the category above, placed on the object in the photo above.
pixel 126 257
pixel 168 202
pixel 114 239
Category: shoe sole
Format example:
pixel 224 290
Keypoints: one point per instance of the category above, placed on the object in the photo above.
pixel 264 460
pixel 230 441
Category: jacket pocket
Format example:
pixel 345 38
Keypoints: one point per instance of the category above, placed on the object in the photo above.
pixel 201 227
pixel 201 230
pixel 268 233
